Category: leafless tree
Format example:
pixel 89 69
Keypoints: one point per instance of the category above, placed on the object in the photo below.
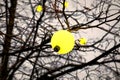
pixel 25 34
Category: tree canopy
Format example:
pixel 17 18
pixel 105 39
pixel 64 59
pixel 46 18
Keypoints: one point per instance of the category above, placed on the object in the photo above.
pixel 26 29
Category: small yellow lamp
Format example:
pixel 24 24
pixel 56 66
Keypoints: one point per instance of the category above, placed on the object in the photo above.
pixel 82 41
pixel 39 8
pixel 62 41
pixel 66 4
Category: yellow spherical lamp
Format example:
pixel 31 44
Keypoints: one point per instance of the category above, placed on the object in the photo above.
pixel 62 41
pixel 66 4
pixel 39 8
pixel 82 41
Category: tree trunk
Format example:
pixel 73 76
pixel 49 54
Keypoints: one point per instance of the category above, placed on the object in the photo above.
pixel 8 37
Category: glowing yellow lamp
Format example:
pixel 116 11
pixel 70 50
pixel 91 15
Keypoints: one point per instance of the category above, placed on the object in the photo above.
pixel 39 8
pixel 66 4
pixel 62 41
pixel 82 41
